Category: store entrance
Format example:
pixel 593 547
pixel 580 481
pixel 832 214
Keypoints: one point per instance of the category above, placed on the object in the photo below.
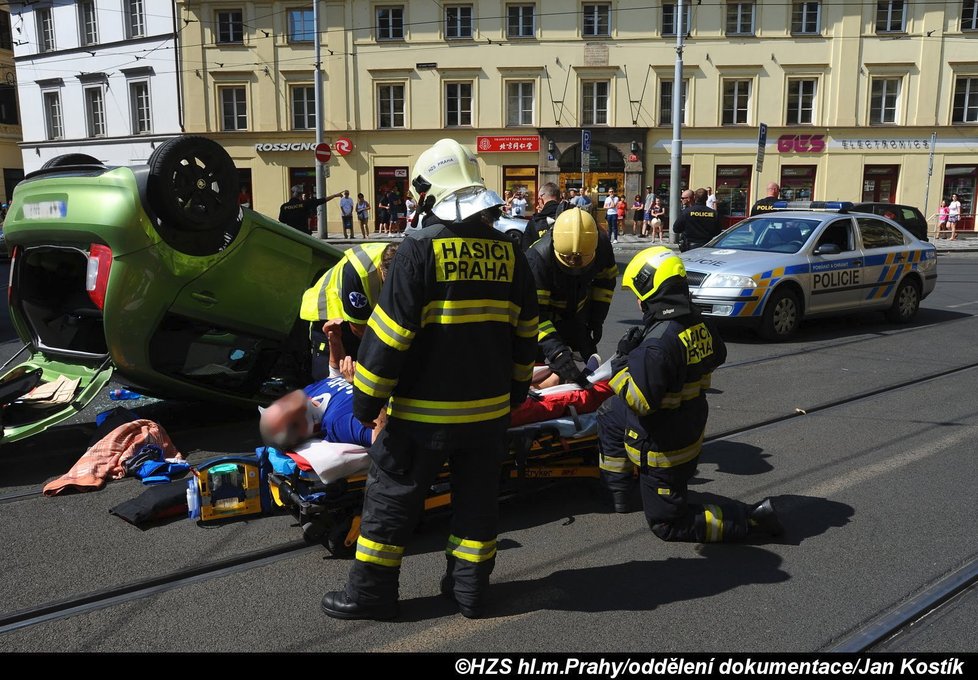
pixel 880 183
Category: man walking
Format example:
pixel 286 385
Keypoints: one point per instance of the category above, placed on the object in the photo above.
pixel 346 214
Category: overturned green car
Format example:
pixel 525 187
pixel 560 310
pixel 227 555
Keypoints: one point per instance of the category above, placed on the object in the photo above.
pixel 153 273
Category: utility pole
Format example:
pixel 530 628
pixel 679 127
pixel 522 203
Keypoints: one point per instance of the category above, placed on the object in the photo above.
pixel 318 82
pixel 676 169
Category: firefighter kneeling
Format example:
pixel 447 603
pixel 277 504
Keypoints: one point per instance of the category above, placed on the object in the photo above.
pixel 657 419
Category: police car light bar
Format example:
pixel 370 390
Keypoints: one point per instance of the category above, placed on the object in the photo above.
pixel 818 206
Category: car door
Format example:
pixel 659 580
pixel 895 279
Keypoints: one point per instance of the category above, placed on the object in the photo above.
pixel 886 259
pixel 835 279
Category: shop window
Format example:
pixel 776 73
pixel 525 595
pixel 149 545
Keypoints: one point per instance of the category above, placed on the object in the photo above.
pixel 963 181
pixel 798 182
pixel 733 190
pixel 246 197
pixel 521 178
pixel 662 181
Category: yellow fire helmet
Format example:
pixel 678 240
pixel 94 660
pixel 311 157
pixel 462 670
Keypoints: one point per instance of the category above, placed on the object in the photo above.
pixel 449 173
pixel 575 237
pixel 649 269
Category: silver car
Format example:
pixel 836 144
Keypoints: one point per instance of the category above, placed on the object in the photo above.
pixel 776 269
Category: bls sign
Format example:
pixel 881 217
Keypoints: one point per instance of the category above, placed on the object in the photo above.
pixel 801 143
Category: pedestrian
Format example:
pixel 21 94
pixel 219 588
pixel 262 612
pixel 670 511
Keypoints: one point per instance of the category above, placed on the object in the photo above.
pixel 396 207
pixel 697 224
pixel 346 214
pixel 765 204
pixel 363 215
pixel 611 214
pixel 410 208
pixel 297 211
pixel 658 214
pixel 518 205
pixel 657 418
pixel 711 198
pixel 507 202
pixel 638 215
pixel 954 216
pixel 647 210
pixel 436 313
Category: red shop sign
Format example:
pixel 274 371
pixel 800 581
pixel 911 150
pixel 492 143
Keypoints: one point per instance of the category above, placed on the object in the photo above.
pixel 519 143
pixel 801 143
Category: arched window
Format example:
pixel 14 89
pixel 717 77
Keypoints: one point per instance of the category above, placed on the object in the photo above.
pixel 604 158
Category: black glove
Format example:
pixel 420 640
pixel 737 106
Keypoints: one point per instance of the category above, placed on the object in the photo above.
pixel 595 333
pixel 562 363
pixel 630 340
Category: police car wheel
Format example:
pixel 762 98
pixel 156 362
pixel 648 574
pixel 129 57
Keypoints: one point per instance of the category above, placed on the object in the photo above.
pixel 905 302
pixel 193 184
pixel 70 159
pixel 516 236
pixel 782 315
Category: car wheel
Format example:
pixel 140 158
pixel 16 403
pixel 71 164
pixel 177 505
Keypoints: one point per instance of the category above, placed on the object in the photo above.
pixel 906 302
pixel 516 236
pixel 782 315
pixel 70 159
pixel 193 184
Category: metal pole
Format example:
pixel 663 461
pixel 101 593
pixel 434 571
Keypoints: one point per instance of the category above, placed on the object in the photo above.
pixel 318 82
pixel 676 170
pixel 930 171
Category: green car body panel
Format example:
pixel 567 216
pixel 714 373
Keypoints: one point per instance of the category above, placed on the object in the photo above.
pixel 252 286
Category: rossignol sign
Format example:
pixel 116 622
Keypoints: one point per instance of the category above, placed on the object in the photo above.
pixel 286 146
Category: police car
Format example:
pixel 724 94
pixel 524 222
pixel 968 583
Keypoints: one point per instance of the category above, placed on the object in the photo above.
pixel 775 269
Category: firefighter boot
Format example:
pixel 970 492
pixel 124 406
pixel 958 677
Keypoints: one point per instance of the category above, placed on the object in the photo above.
pixel 448 590
pixel 338 605
pixel 764 518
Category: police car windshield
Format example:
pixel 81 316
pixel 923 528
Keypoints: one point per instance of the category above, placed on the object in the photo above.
pixel 770 234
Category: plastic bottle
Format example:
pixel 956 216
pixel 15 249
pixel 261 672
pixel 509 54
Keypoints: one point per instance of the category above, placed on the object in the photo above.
pixel 123 394
pixel 193 498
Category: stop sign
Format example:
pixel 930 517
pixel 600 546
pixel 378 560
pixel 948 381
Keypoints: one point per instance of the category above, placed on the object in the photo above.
pixel 323 153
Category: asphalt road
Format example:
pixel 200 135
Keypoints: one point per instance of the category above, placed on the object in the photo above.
pixel 862 430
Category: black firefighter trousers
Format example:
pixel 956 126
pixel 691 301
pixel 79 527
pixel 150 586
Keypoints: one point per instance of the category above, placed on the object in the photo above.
pixel 664 489
pixel 401 474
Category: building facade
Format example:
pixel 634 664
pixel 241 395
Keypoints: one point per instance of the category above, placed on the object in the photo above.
pixel 11 164
pixel 98 77
pixel 854 94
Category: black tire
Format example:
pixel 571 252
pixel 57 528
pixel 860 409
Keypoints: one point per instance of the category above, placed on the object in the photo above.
pixel 516 236
pixel 782 315
pixel 70 159
pixel 193 185
pixel 906 302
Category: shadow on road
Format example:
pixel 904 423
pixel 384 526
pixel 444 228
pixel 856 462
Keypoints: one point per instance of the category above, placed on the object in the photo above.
pixel 736 458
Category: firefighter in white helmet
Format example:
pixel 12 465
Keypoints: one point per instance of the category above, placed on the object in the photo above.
pixel 574 271
pixel 459 297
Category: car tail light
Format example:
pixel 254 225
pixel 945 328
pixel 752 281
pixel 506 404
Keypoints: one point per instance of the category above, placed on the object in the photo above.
pixel 97 276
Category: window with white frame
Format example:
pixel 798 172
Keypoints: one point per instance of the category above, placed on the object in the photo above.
pixel 458 22
pixel 670 17
pixel 390 23
pixel 390 105
pixel 884 100
pixel 87 22
pixel 301 26
pixel 53 120
pixel 891 16
pixel 594 102
pixel 965 105
pixel 135 19
pixel 45 29
pixel 736 101
pixel 519 103
pixel 139 107
pixel 234 107
pixel 801 101
pixel 665 101
pixel 230 26
pixel 458 104
pixel 806 18
pixel 740 18
pixel 95 111
pixel 969 15
pixel 597 20
pixel 520 21
pixel 303 107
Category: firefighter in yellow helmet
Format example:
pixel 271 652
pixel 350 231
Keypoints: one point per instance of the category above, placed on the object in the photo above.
pixel 574 271
pixel 343 298
pixel 656 421
pixel 448 352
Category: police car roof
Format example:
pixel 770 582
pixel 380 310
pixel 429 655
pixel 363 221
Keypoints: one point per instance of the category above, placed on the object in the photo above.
pixel 819 206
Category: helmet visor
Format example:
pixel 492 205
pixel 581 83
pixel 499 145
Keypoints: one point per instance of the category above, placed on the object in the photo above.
pixel 465 203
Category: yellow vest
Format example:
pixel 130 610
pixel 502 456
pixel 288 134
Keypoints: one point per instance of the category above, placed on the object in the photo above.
pixel 324 301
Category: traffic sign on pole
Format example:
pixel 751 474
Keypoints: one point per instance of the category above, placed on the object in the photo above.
pixel 761 145
pixel 585 142
pixel 323 152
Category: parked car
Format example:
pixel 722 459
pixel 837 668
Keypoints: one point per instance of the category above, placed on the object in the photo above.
pixel 155 273
pixel 775 269
pixel 907 216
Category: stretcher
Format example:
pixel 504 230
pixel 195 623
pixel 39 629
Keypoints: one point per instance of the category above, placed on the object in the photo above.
pixel 565 447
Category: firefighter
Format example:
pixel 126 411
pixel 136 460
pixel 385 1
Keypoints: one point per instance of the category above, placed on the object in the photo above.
pixel 574 271
pixel 656 421
pixel 347 292
pixel 449 352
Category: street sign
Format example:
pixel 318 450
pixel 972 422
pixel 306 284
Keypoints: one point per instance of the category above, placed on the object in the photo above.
pixel 343 146
pixel 585 142
pixel 586 164
pixel 761 145
pixel 323 153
